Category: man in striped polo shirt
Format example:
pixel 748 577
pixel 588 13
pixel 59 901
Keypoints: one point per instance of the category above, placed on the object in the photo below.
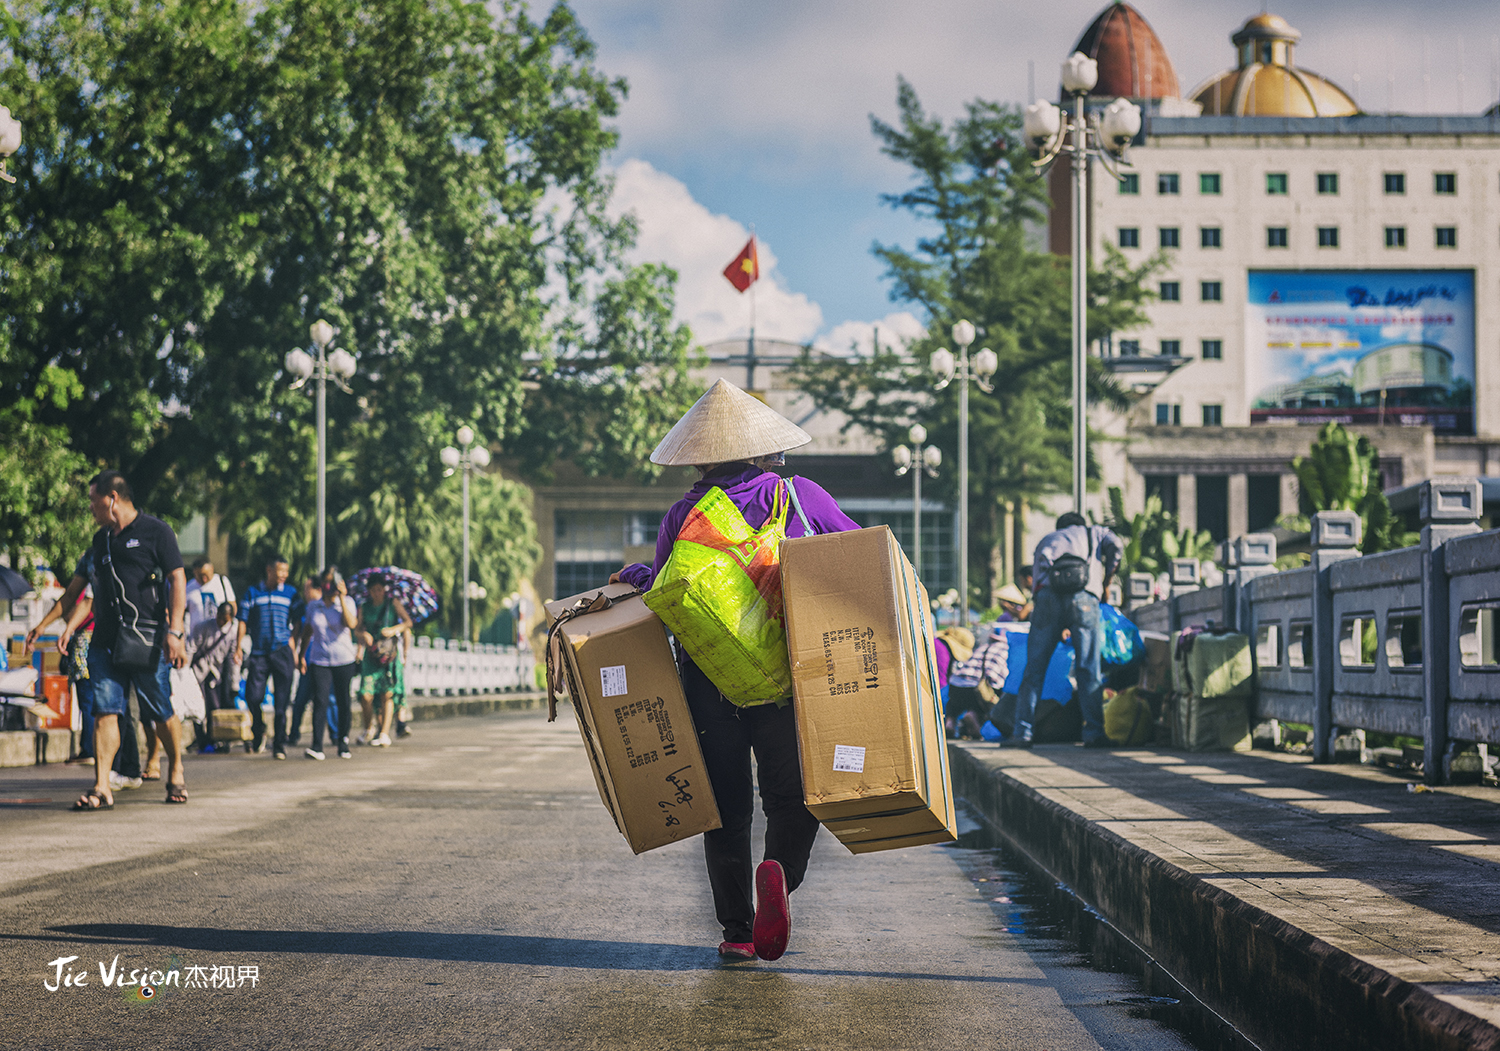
pixel 266 616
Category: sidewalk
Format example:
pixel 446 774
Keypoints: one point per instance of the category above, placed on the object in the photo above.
pixel 1310 906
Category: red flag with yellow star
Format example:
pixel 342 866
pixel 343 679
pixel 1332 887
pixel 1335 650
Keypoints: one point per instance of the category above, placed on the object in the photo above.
pixel 745 270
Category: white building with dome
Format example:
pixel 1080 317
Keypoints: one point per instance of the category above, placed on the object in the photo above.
pixel 1324 264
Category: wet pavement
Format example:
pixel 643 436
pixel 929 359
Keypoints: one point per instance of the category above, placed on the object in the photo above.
pixel 466 889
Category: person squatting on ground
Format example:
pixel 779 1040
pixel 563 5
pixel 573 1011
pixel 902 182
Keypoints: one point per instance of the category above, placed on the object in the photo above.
pixel 139 631
pixel 734 441
pixel 383 622
pixel 1072 570
pixel 267 617
pixel 326 640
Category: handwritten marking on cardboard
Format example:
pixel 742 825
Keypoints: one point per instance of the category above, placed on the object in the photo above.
pixel 849 758
pixel 612 680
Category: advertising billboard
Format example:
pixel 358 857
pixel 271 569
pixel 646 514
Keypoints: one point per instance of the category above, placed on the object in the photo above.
pixel 1388 347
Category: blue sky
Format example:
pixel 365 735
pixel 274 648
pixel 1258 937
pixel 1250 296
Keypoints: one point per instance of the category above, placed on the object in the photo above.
pixel 758 114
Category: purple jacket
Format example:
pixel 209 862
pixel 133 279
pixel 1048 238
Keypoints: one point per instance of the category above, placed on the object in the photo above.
pixel 752 491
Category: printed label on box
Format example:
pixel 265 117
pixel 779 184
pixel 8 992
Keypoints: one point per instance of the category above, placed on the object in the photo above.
pixel 848 758
pixel 612 680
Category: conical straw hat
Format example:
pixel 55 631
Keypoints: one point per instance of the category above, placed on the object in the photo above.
pixel 724 425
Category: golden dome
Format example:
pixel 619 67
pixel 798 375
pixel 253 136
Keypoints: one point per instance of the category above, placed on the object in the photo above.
pixel 1267 83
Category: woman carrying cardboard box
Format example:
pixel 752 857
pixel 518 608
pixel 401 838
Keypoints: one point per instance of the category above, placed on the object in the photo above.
pixel 735 441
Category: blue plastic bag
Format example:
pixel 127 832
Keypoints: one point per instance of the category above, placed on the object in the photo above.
pixel 1056 686
pixel 1122 639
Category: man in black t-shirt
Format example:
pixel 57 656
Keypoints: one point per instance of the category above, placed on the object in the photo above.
pixel 140 602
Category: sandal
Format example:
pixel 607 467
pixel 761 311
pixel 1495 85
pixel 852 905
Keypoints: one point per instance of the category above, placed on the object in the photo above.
pixel 91 801
pixel 176 794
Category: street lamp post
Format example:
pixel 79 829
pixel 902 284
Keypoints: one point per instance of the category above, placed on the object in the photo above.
pixel 1105 135
pixel 919 460
pixel 947 368
pixel 338 367
pixel 466 459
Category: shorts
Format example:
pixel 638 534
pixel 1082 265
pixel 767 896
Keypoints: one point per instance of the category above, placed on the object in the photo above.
pixel 111 688
pixel 376 679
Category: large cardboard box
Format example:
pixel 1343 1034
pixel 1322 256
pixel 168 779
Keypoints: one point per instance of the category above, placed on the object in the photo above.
pixel 230 724
pixel 864 679
pixel 627 697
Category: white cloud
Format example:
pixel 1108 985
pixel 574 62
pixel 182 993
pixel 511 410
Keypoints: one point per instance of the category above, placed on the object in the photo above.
pixel 677 230
pixel 895 330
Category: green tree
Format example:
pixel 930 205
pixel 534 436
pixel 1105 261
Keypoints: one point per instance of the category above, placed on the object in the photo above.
pixel 1341 472
pixel 44 510
pixel 973 185
pixel 203 178
pixel 1153 537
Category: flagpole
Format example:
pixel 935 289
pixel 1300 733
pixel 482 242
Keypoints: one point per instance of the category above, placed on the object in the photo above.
pixel 750 359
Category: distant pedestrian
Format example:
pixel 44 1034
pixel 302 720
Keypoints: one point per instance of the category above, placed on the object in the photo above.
pixel 1072 570
pixel 140 612
pixel 328 648
pixel 215 662
pixel 206 592
pixel 266 617
pixel 312 590
pixel 383 621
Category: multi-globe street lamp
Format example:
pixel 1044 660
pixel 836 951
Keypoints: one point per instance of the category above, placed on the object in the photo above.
pixel 948 368
pixel 920 459
pixel 467 458
pixel 338 367
pixel 1106 135
pixel 10 140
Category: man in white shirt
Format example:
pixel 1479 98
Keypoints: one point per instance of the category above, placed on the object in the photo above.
pixel 206 592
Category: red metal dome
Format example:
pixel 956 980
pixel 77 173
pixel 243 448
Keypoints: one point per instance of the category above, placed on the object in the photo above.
pixel 1132 61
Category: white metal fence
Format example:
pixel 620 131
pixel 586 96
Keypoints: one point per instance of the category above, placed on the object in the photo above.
pixel 446 667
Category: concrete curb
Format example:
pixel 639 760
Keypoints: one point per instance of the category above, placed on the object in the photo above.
pixel 1281 986
pixel 424 708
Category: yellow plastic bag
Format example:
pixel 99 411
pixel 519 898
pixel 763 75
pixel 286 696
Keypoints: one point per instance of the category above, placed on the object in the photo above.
pixel 720 594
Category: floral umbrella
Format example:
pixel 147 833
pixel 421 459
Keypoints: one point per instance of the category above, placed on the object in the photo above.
pixel 418 596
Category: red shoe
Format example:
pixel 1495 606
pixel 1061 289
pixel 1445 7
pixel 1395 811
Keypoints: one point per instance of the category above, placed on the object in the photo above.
pixel 773 913
pixel 737 950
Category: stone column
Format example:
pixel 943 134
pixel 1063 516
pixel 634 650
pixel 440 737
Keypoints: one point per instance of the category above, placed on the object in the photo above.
pixel 1239 505
pixel 1289 494
pixel 1187 502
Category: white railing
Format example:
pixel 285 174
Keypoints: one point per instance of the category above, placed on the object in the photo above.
pixel 445 668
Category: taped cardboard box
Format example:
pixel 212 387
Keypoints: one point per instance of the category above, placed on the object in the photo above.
pixel 869 715
pixel 230 724
pixel 620 673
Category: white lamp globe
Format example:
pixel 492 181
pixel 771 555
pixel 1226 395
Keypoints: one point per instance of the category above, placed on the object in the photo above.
pixel 299 363
pixel 321 333
pixel 942 363
pixel 1041 122
pixel 901 456
pixel 917 434
pixel 985 363
pixel 932 456
pixel 963 333
pixel 1079 74
pixel 465 435
pixel 1119 124
pixel 342 363
pixel 479 456
pixel 10 133
pixel 449 456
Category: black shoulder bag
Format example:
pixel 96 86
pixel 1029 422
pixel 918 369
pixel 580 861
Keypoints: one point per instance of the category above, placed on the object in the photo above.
pixel 139 639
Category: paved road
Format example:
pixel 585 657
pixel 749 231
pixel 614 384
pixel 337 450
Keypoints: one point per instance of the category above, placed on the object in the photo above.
pixel 466 890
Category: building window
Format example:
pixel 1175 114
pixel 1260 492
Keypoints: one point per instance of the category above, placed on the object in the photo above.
pixel 1213 415
pixel 1395 237
pixel 1171 292
pixel 1328 182
pixel 1130 184
pixel 1328 237
pixel 1209 237
pixel 1275 237
pixel 1130 237
pixel 589 545
pixel 1211 349
pixel 1447 237
pixel 1211 291
pixel 1171 348
pixel 1276 183
pixel 1167 184
pixel 1168 415
pixel 1130 348
pixel 1167 237
pixel 1444 182
pixel 1210 183
pixel 1395 182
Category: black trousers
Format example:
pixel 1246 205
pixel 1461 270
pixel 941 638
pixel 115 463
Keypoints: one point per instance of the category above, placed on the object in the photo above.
pixel 278 667
pixel 728 734
pixel 336 678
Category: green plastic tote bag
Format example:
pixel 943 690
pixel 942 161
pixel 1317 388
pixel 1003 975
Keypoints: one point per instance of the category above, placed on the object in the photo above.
pixel 720 593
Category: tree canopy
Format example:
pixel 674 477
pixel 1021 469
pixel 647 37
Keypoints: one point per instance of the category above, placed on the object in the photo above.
pixel 973 185
pixel 1341 472
pixel 202 179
